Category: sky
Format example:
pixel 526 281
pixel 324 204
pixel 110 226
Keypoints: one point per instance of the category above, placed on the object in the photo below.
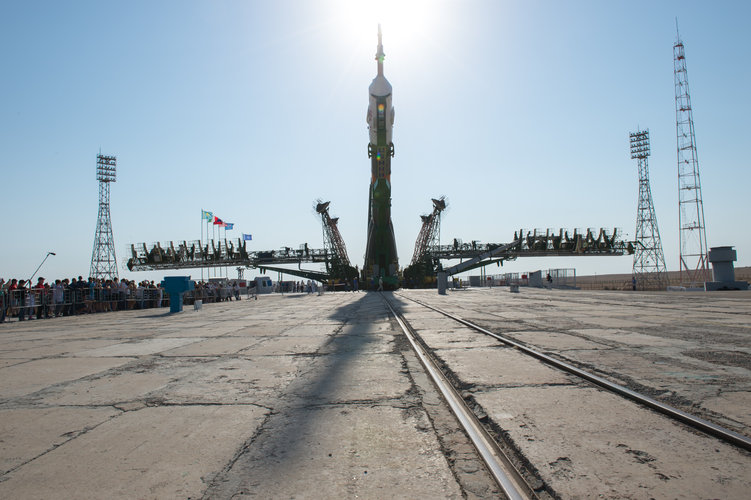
pixel 519 112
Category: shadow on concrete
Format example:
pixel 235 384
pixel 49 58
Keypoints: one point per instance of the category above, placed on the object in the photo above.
pixel 285 439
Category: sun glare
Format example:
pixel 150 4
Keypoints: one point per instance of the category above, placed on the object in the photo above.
pixel 404 23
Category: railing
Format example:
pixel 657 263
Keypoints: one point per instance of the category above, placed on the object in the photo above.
pixel 41 303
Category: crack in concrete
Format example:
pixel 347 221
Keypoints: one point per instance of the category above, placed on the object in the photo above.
pixel 73 435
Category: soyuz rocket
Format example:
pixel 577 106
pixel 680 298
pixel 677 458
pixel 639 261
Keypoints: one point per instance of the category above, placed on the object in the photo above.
pixel 380 254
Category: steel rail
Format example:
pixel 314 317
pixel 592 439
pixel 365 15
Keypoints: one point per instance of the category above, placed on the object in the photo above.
pixel 697 423
pixel 503 471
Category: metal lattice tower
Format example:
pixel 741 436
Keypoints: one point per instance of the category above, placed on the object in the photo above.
pixel 430 232
pixel 649 261
pixel 693 236
pixel 333 242
pixel 103 260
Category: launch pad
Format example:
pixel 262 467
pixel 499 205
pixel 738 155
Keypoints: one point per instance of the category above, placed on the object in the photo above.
pixel 380 269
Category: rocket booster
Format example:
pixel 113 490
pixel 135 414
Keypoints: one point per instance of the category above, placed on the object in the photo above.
pixel 380 255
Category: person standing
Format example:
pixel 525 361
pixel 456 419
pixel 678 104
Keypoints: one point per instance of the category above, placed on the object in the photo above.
pixel 3 299
pixel 58 292
pixel 40 292
pixel 21 298
pixel 380 283
pixel 354 284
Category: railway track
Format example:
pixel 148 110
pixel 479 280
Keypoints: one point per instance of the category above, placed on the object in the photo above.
pixel 501 466
pixel 694 421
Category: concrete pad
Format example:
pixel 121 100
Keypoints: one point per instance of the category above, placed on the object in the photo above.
pixel 35 375
pixel 288 345
pixel 352 376
pixel 499 366
pixel 546 340
pixel 578 436
pixel 733 404
pixel 213 347
pixel 110 389
pixel 12 361
pixel 359 339
pixel 261 329
pixel 631 339
pixel 374 453
pixel 256 380
pixel 150 453
pixel 138 347
pixel 29 433
pixel 453 337
pixel 59 348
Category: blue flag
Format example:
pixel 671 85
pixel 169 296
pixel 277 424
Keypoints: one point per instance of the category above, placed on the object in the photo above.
pixel 247 237
pixel 228 225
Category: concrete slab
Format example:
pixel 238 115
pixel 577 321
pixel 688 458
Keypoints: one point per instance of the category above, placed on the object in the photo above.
pixel 375 453
pixel 499 366
pixel 29 433
pixel 257 380
pixel 49 348
pixel 577 437
pixel 458 336
pixel 111 388
pixel 30 377
pixel 138 347
pixel 213 347
pixel 168 452
pixel 352 376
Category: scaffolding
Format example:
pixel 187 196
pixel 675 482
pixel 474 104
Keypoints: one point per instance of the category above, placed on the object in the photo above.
pixel 694 270
pixel 649 261
pixel 103 260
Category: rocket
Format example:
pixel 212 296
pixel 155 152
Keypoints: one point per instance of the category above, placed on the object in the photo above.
pixel 381 260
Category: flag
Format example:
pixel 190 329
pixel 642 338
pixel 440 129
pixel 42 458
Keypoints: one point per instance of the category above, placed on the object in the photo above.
pixel 247 237
pixel 207 216
pixel 218 221
pixel 228 226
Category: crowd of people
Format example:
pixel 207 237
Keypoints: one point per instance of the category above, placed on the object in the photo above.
pixel 25 300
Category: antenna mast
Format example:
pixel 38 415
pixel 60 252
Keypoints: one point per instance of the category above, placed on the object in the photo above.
pixel 693 236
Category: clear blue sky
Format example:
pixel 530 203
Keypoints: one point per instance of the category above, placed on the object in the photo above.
pixel 519 112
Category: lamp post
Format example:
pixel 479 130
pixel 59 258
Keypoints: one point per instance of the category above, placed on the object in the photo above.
pixel 40 265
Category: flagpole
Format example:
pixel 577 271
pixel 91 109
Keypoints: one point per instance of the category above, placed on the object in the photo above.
pixel 199 241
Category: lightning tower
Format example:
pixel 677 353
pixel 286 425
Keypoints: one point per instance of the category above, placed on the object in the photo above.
pixel 103 260
pixel 693 237
pixel 649 261
pixel 381 261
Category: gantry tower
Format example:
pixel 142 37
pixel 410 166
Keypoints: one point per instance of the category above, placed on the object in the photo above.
pixel 649 260
pixel 103 260
pixel 693 236
pixel 430 232
pixel 337 264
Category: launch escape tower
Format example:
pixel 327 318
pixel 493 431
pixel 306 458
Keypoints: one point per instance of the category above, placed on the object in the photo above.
pixel 103 260
pixel 381 261
pixel 649 261
pixel 693 237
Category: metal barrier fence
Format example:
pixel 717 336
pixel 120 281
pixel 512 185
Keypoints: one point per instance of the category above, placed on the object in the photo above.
pixel 40 303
